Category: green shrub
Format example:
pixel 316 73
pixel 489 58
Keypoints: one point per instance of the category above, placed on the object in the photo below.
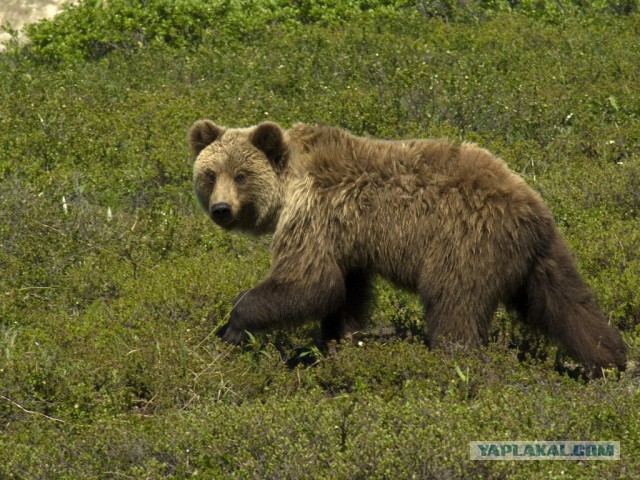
pixel 93 29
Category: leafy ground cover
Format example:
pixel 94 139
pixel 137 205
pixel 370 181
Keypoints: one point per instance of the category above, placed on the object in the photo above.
pixel 112 281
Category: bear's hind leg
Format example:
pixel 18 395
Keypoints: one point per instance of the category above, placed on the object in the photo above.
pixel 452 317
pixel 353 315
pixel 555 299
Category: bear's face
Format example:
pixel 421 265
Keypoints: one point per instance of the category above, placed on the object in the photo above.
pixel 237 174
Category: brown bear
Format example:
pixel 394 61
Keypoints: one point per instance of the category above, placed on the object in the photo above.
pixel 448 221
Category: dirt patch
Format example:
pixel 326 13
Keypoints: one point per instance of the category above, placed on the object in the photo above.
pixel 17 13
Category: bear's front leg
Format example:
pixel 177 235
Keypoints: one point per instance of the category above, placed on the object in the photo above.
pixel 232 331
pixel 355 313
pixel 276 302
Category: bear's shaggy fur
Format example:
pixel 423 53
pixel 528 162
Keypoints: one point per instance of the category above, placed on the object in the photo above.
pixel 448 221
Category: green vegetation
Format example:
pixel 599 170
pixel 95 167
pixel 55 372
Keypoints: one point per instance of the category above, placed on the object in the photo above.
pixel 112 281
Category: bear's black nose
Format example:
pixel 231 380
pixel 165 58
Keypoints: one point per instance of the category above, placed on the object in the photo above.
pixel 221 213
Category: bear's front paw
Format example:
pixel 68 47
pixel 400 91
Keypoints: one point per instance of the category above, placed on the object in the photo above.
pixel 231 335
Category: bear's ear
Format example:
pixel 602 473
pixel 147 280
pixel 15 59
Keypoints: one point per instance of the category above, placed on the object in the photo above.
pixel 268 137
pixel 203 133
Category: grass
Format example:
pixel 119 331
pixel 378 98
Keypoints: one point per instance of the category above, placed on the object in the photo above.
pixel 113 280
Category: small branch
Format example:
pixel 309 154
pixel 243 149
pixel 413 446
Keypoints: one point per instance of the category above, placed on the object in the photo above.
pixel 98 247
pixel 31 412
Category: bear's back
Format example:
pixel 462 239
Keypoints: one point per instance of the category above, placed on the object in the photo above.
pixel 335 159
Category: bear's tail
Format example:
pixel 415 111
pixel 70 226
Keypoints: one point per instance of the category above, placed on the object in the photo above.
pixel 555 299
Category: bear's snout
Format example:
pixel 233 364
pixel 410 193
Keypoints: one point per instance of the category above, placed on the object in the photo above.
pixel 221 213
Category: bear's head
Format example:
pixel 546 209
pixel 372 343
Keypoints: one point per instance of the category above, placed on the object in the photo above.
pixel 238 174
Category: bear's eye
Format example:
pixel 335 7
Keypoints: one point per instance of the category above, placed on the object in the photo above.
pixel 211 176
pixel 240 178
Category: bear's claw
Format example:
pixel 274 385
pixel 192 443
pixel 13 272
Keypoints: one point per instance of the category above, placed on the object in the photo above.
pixel 231 335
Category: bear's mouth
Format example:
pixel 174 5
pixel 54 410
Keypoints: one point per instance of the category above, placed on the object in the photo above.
pixel 226 223
pixel 244 219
